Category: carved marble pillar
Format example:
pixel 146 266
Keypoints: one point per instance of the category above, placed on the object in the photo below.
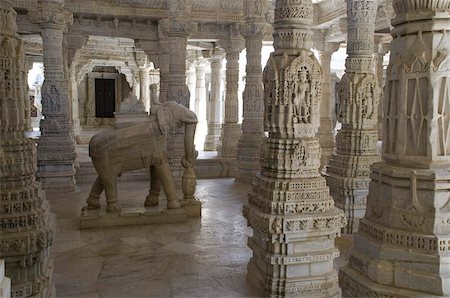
pixel 56 147
pixel 73 95
pixel 249 146
pixel 144 78
pixel 356 142
pixel 164 70
pixel 26 224
pixel 326 129
pixel 212 141
pixel 380 50
pixel 177 31
pixel 402 246
pixel 200 103
pixel 231 129
pixel 191 82
pixel 289 208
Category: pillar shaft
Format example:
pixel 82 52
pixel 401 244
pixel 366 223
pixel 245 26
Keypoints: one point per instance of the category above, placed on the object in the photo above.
pixel 56 147
pixel 249 146
pixel 356 143
pixel 73 95
pixel 212 141
pixel 326 129
pixel 402 246
pixel 231 130
pixel 26 224
pixel 144 77
pixel 289 208
pixel 200 103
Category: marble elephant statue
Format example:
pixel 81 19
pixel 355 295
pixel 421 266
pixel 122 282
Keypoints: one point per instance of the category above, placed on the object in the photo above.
pixel 132 146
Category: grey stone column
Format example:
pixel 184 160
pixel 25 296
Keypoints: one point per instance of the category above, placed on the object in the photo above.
pixel 200 102
pixel 144 78
pixel 73 95
pixel 231 130
pixel 56 147
pixel 326 129
pixel 289 208
pixel 212 141
pixel 249 146
pixel 26 224
pixel 381 48
pixel 402 246
pixel 348 171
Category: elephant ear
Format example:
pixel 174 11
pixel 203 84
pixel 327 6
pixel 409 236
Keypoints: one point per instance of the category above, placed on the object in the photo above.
pixel 164 116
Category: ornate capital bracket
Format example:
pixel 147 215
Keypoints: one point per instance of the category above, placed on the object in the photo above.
pixel 73 43
pixel 253 30
pixel 177 28
pixel 45 17
pixel 178 8
pixel 254 9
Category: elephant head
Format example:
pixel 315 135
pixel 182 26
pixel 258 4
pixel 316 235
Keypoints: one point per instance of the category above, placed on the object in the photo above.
pixel 171 115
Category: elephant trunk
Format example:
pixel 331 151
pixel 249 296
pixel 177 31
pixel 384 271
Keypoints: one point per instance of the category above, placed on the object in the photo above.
pixel 188 180
pixel 190 154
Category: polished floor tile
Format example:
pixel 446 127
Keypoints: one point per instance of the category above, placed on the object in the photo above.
pixel 204 257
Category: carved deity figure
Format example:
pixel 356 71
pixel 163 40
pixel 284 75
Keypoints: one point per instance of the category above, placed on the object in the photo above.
pixel 302 97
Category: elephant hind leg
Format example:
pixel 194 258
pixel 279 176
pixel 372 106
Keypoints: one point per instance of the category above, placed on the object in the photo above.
pixel 94 196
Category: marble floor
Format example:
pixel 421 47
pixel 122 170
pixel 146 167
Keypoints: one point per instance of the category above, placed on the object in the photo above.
pixel 204 257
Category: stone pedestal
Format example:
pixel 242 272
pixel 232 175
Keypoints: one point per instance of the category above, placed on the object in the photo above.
pixel 402 246
pixel 26 224
pixel 289 208
pixel 348 170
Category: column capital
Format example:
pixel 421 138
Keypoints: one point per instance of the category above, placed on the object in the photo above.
pixel 51 14
pixel 253 30
pixel 216 56
pixel 327 47
pixel 177 28
pixel 382 44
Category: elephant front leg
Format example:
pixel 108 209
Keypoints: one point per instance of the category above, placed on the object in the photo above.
pixel 165 175
pixel 110 185
pixel 94 196
pixel 155 189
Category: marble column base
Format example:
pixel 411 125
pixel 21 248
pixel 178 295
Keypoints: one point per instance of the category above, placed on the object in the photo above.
pixel 230 138
pixel 403 241
pixel 323 286
pixel 354 284
pixel 57 176
pixel 212 141
pixel 348 177
pixel 249 156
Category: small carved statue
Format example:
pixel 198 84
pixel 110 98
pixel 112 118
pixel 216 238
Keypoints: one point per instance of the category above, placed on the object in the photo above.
pixel 132 146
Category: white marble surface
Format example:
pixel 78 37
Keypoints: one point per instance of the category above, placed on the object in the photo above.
pixel 205 257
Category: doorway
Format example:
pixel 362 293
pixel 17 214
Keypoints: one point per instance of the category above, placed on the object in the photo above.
pixel 105 98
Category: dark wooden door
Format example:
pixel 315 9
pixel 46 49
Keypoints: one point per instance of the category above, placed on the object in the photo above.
pixel 105 98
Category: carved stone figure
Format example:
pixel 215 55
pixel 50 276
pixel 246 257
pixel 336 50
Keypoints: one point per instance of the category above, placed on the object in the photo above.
pixel 132 146
pixel 132 104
